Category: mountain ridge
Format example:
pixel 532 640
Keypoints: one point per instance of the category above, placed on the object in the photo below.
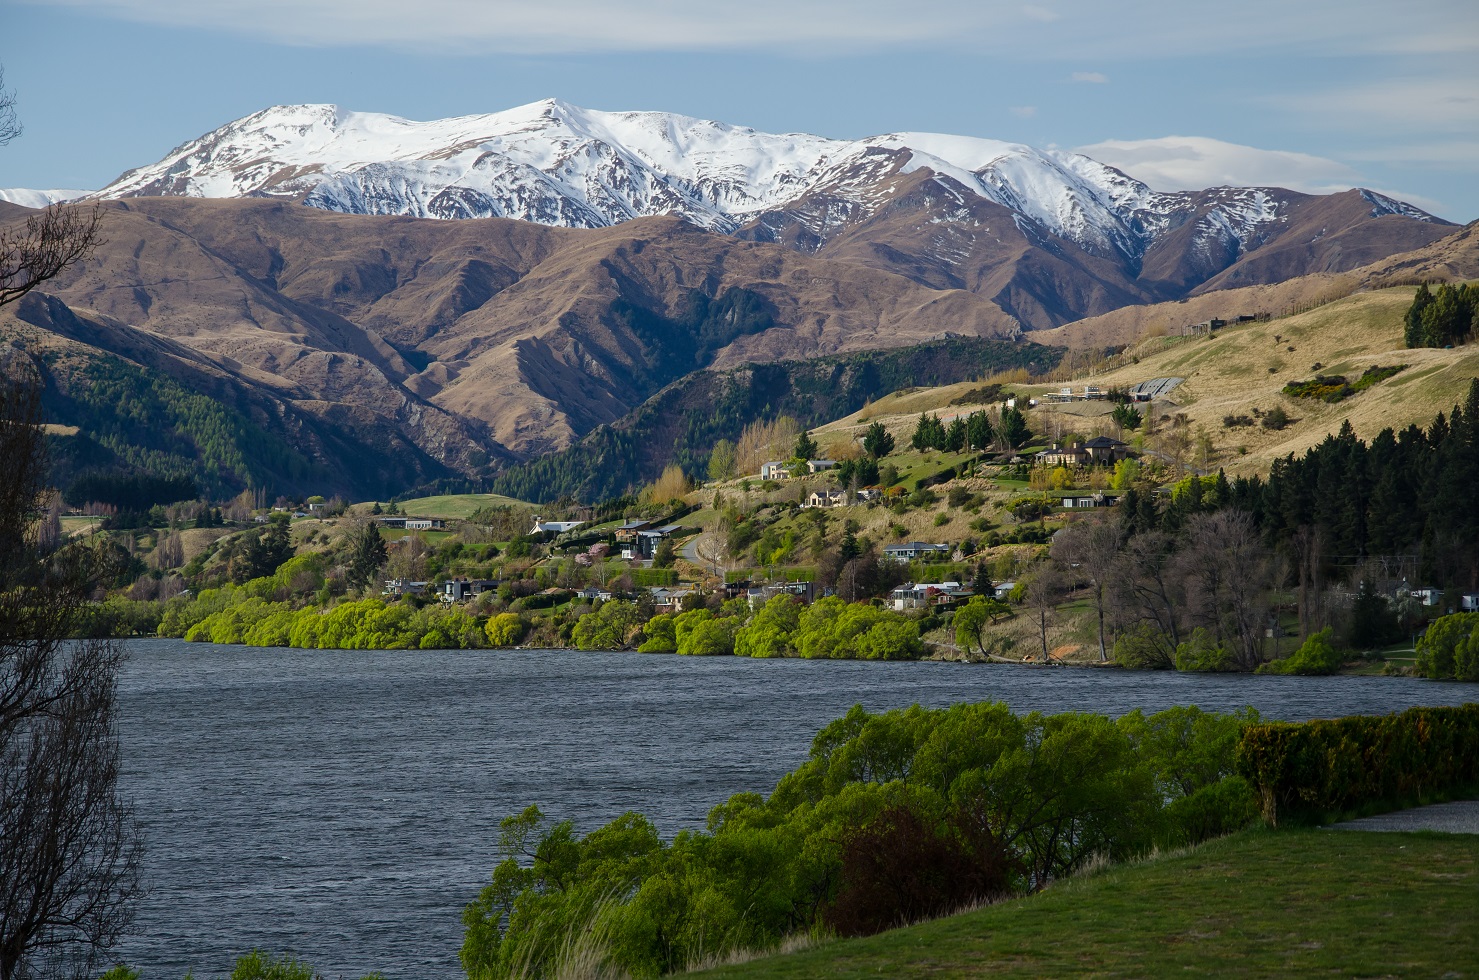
pixel 556 164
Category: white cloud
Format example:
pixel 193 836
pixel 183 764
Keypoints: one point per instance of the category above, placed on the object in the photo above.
pixel 1180 163
pixel 1189 163
pixel 1066 29
pixel 1023 111
pixel 1041 14
pixel 1096 77
pixel 1449 103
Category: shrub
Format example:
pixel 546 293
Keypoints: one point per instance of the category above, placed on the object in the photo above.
pixel 903 867
pixel 1316 656
pixel 1276 419
pixel 1201 653
pixel 1143 647
pixel 1449 650
pixel 1319 770
pixel 505 629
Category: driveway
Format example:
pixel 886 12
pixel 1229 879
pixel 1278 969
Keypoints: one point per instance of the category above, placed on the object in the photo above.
pixel 1458 817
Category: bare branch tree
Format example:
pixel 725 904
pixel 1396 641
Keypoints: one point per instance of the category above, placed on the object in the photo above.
pixel 69 847
pixel 1042 594
pixel 1149 589
pixel 10 123
pixel 1092 550
pixel 48 243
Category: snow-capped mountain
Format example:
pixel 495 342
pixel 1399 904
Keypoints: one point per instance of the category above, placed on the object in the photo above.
pixel 28 197
pixel 558 164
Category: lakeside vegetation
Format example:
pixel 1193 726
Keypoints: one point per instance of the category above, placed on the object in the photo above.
pixel 913 814
pixel 1201 574
pixel 894 817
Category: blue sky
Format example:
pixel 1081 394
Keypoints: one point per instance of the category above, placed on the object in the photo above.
pixel 1307 94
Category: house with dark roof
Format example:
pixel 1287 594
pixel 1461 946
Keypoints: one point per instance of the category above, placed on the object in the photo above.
pixel 914 550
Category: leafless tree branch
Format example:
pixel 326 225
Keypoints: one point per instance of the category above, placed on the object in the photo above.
pixel 10 123
pixel 69 847
pixel 48 243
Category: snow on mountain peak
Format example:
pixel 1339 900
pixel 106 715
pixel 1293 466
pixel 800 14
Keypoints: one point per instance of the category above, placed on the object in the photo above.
pixel 556 163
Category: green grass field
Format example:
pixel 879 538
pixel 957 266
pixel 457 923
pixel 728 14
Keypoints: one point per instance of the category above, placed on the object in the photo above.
pixel 450 506
pixel 1257 904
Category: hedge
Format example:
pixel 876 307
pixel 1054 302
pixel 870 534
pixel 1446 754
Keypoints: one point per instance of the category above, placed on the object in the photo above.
pixel 1316 771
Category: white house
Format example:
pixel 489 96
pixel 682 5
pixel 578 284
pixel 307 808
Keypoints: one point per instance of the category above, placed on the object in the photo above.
pixel 1469 602
pixel 1428 596
pixel 818 465
pixel 774 470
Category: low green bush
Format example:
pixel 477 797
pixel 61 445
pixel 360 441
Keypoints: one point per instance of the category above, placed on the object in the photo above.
pixel 1201 653
pixel 1318 655
pixel 1318 770
pixel 1449 650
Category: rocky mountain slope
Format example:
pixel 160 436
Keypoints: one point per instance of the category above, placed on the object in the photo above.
pixel 474 342
pixel 1049 236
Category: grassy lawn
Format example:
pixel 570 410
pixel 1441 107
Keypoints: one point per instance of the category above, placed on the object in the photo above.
pixel 74 525
pixel 1260 903
pixel 451 506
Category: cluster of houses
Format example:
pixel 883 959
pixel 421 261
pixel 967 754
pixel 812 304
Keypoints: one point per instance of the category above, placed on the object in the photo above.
pixel 1427 596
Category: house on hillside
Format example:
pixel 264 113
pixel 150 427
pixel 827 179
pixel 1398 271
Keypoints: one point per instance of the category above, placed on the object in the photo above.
pixel 1469 602
pixel 647 541
pixel 591 594
pixel 425 524
pixel 820 465
pixel 463 589
pixel 1003 589
pixel 400 586
pixel 554 527
pixel 774 470
pixel 826 498
pixel 627 533
pixel 1074 455
pixel 1083 502
pixel 938 596
pixel 1106 451
pixel 805 592
pixel 914 550
pixel 1428 596
pixel 668 601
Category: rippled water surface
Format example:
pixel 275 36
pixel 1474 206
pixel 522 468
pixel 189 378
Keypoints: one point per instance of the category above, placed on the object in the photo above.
pixel 344 805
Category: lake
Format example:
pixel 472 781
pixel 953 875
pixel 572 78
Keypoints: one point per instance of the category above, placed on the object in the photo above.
pixel 344 805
